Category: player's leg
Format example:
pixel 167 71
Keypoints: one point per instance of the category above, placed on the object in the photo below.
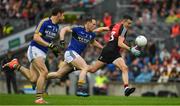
pixel 77 61
pixel 120 63
pixel 39 65
pixel 31 74
pixel 37 58
pixel 102 60
pixel 64 69
pixel 34 76
pixel 97 65
pixel 73 58
pixel 80 63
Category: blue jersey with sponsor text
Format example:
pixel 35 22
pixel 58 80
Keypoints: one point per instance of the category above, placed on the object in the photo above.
pixel 48 32
pixel 80 39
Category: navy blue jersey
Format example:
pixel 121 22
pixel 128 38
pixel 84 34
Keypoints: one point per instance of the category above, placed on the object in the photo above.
pixel 80 39
pixel 48 32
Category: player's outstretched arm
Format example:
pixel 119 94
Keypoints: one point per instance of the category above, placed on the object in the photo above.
pixel 97 44
pixel 101 29
pixel 64 31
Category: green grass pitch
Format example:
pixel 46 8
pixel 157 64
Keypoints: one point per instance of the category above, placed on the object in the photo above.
pixel 89 101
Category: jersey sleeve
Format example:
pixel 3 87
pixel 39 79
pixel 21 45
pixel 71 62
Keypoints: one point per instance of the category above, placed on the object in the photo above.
pixel 122 31
pixel 74 32
pixel 41 27
pixel 75 28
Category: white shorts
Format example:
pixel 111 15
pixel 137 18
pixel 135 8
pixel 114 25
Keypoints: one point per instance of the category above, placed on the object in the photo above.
pixel 34 52
pixel 70 55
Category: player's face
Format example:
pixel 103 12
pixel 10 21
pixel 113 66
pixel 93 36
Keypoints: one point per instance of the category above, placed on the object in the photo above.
pixel 60 17
pixel 92 25
pixel 128 23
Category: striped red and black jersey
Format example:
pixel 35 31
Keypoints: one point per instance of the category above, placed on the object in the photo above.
pixel 116 30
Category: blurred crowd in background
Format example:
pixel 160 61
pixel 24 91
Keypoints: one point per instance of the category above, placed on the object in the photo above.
pixel 158 20
pixel 21 14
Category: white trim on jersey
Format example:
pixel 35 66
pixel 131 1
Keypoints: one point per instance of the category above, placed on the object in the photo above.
pixel 123 32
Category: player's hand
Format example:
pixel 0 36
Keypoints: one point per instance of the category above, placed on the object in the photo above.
pixel 134 51
pixel 55 48
pixel 62 44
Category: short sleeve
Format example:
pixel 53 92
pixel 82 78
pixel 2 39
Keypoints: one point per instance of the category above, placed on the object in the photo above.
pixel 73 29
pixel 122 31
pixel 41 27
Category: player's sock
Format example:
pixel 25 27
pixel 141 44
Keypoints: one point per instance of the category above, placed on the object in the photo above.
pixel 40 101
pixel 81 82
pixel 125 86
pixel 17 67
pixel 39 95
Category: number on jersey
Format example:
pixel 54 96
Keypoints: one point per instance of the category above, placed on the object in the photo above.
pixel 112 36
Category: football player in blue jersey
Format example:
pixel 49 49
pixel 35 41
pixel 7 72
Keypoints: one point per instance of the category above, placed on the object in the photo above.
pixel 81 37
pixel 45 33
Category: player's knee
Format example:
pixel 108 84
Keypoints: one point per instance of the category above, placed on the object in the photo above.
pixel 125 68
pixel 92 70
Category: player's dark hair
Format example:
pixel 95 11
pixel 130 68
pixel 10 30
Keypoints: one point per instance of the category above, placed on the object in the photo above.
pixel 127 17
pixel 88 18
pixel 57 10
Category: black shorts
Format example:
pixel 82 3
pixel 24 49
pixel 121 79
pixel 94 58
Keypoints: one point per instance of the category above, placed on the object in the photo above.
pixel 108 55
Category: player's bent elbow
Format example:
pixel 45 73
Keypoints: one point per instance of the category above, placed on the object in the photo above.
pixel 36 38
pixel 120 44
pixel 66 29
